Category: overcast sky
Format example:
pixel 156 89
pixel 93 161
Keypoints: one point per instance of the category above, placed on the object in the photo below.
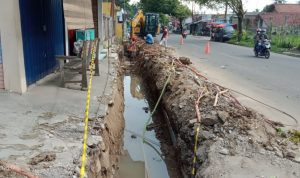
pixel 251 5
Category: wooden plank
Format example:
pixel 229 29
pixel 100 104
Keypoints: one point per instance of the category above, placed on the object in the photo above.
pixel 78 14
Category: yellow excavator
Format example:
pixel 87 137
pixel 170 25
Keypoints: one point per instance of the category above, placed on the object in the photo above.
pixel 143 24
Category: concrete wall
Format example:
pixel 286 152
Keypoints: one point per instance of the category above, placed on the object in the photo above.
pixel 106 7
pixel 12 46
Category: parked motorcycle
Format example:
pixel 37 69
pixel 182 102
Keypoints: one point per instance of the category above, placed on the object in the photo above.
pixel 263 49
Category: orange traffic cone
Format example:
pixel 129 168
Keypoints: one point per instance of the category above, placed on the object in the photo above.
pixel 207 48
pixel 181 40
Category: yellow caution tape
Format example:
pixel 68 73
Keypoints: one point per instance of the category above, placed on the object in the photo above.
pixel 87 109
pixel 195 149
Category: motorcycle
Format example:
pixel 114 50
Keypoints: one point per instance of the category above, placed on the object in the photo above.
pixel 263 49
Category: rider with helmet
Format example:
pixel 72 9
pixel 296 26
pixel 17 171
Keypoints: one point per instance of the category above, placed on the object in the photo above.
pixel 259 37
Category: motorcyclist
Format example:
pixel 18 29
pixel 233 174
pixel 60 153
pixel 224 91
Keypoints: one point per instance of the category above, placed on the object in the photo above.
pixel 263 36
pixel 260 37
pixel 256 38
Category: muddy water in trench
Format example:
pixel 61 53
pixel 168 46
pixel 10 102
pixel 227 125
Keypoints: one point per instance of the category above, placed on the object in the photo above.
pixel 153 159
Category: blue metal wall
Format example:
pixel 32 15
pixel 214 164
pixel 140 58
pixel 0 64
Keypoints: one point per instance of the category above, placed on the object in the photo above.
pixel 43 36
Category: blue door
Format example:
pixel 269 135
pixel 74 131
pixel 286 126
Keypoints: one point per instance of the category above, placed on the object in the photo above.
pixel 43 36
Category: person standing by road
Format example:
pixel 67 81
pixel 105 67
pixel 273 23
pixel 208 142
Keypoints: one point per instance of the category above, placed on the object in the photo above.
pixel 164 37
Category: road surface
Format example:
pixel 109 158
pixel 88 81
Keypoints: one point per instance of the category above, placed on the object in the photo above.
pixel 274 81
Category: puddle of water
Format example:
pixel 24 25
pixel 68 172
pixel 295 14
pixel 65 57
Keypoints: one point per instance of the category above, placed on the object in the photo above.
pixel 142 160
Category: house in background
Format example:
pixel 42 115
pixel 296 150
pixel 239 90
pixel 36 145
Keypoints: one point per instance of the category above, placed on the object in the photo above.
pixel 284 16
pixel 250 21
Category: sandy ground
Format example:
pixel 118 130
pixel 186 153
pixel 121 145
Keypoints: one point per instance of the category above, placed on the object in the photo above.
pixel 42 130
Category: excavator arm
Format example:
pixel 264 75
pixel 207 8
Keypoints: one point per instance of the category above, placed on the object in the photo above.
pixel 138 23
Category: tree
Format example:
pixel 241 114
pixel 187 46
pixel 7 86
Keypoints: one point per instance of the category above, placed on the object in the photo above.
pixel 130 9
pixel 163 19
pixel 226 8
pixel 269 8
pixel 170 7
pixel 237 7
pixel 160 6
pixel 181 13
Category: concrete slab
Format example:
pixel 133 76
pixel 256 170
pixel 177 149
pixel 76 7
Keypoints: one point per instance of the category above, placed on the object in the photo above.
pixel 50 119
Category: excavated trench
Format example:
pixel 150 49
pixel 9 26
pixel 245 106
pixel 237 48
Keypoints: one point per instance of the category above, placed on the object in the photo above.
pixel 150 155
pixel 233 141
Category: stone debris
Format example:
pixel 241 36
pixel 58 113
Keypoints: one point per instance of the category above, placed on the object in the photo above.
pixel 240 132
pixel 43 157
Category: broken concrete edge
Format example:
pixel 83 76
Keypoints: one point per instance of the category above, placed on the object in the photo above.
pixel 106 125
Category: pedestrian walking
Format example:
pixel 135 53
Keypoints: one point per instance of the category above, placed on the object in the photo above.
pixel 164 38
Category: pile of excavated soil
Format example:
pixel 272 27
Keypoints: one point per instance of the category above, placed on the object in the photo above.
pixel 234 141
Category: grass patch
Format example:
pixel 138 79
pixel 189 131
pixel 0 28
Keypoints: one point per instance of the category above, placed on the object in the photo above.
pixel 286 41
pixel 279 44
pixel 295 136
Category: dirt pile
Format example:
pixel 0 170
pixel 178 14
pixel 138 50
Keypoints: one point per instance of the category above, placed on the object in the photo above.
pixel 234 141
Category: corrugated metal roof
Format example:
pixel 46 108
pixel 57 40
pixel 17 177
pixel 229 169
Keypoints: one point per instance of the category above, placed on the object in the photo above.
pixel 78 14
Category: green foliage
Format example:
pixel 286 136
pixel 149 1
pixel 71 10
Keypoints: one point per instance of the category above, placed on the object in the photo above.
pixel 247 39
pixel 269 8
pixel 163 19
pixel 237 6
pixel 130 9
pixel 295 136
pixel 286 41
pixel 280 132
pixel 280 43
pixel 170 7
pixel 182 12
pixel 120 3
pixel 160 6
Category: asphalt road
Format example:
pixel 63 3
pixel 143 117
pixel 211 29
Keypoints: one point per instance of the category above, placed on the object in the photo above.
pixel 274 81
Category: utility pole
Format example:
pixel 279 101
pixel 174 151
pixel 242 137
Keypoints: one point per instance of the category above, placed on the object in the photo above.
pixel 226 8
pixel 100 21
pixel 192 11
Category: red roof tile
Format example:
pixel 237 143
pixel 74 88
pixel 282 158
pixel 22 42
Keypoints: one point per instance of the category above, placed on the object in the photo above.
pixel 288 8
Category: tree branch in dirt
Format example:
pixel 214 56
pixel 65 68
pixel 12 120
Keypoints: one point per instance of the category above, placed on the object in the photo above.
pixel 178 62
pixel 217 96
pixel 200 95
pixel 16 169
